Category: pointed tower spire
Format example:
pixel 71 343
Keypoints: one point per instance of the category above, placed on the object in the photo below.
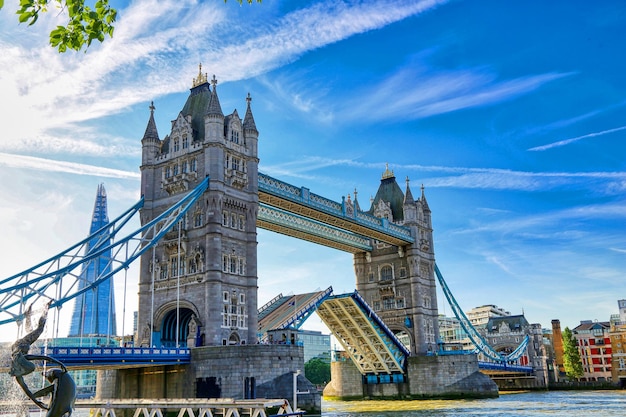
pixel 424 202
pixel 151 132
pixel 408 196
pixel 214 108
pixel 248 120
pixel 356 201
pixel 150 144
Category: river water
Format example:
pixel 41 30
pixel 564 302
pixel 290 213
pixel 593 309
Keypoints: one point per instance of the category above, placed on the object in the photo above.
pixel 528 404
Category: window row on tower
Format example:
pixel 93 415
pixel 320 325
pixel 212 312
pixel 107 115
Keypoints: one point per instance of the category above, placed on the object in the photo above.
pixel 176 267
pixel 176 169
pixel 233 220
pixel 232 264
pixel 386 273
pixel 389 303
pixel 235 163
pixel 176 143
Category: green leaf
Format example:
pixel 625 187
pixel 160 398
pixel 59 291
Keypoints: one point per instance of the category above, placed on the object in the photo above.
pixel 24 17
pixel 1 3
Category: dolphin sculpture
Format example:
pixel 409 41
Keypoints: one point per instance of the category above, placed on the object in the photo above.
pixel 62 390
pixel 20 365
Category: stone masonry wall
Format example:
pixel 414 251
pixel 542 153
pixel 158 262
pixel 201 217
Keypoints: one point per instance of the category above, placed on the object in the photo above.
pixel 448 377
pixel 231 365
pixel 345 383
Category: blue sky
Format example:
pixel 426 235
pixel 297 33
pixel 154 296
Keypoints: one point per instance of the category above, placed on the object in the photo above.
pixel 512 115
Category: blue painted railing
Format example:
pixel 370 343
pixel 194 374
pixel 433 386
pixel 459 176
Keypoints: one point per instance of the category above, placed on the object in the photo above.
pixel 77 356
pixel 505 367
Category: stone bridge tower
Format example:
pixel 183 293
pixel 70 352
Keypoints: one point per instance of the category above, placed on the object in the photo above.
pixel 204 270
pixel 399 282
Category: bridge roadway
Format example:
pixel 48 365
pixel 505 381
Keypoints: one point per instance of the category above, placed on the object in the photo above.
pixel 372 346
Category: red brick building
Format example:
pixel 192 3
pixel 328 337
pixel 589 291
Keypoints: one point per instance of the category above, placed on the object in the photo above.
pixel 594 346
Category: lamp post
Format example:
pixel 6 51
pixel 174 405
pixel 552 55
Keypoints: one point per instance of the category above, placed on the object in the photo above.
pixel 294 406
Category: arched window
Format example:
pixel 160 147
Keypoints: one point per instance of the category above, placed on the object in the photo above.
pixel 386 273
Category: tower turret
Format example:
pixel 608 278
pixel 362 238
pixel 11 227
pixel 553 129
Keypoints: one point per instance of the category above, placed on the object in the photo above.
pixel 425 209
pixel 150 143
pixel 250 132
pixel 214 117
pixel 409 208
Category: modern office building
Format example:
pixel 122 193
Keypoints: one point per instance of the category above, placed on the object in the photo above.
pixel 451 335
pixel 93 318
pixel 94 310
pixel 316 345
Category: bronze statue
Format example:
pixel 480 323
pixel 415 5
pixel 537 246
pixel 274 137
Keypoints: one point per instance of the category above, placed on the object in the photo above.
pixel 62 389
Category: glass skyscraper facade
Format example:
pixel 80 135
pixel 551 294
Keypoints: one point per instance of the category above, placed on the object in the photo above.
pixel 94 310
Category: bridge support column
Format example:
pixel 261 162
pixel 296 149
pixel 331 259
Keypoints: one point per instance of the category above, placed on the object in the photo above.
pixel 107 383
pixel 346 382
pixel 455 376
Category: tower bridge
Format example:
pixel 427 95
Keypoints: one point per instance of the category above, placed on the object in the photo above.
pixel 202 201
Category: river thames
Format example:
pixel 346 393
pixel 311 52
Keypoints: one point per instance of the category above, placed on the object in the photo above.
pixel 528 404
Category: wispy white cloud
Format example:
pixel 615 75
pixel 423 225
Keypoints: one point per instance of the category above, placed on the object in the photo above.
pixel 552 225
pixel 464 177
pixel 49 165
pixel 154 42
pixel 576 139
pixel 416 92
pixel 496 261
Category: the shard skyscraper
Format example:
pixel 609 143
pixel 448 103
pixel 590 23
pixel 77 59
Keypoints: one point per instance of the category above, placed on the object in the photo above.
pixel 94 310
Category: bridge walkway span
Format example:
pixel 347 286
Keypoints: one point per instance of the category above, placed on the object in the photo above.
pixel 296 212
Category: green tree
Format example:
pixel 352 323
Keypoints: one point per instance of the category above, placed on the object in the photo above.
pixel 317 371
pixel 571 356
pixel 85 23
